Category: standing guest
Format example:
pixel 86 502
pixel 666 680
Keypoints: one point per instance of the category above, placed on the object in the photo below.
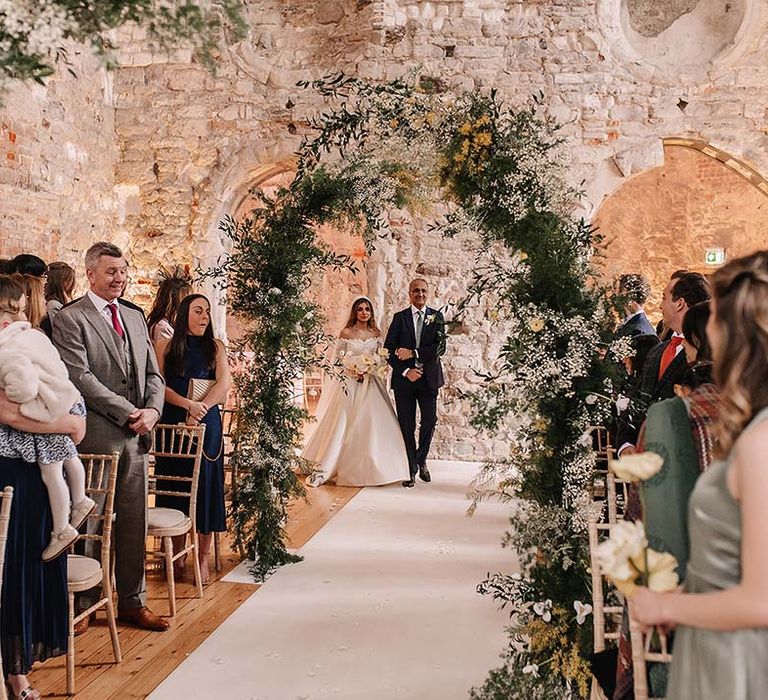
pixel 58 291
pixel 721 641
pixel 665 364
pixel 105 345
pixel 662 329
pixel 193 353
pixel 33 607
pixel 33 290
pixel 635 290
pixel 59 286
pixel 162 317
pixel 27 264
pixel 6 266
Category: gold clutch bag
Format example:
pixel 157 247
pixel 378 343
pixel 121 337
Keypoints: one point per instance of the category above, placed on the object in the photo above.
pixel 198 388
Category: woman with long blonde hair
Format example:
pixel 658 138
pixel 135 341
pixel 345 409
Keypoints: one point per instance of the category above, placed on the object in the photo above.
pixel 357 441
pixel 721 643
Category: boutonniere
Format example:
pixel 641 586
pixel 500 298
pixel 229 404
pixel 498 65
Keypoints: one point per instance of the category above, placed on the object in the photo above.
pixel 429 319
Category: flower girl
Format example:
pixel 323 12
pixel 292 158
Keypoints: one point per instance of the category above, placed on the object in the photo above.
pixel 33 376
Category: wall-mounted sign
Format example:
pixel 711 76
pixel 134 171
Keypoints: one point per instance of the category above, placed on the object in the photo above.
pixel 715 256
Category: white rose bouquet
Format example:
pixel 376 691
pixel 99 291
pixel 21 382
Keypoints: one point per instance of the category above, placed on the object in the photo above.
pixel 366 364
pixel 625 557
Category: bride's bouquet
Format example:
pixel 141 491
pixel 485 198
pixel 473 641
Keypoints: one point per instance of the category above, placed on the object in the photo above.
pixel 366 364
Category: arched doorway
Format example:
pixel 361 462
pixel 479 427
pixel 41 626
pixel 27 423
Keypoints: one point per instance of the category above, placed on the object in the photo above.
pixel 667 218
pixel 333 290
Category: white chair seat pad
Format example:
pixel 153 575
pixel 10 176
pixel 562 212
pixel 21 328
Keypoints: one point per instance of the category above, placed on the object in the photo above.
pixel 82 572
pixel 167 519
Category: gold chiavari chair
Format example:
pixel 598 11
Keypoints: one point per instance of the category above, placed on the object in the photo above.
pixel 83 573
pixel 642 655
pixel 176 442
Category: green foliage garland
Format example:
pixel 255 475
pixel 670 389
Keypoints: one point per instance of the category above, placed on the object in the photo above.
pixel 498 172
pixel 33 33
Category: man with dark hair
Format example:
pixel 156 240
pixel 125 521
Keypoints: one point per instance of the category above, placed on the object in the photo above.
pixel 27 264
pixel 665 364
pixel 663 331
pixel 634 290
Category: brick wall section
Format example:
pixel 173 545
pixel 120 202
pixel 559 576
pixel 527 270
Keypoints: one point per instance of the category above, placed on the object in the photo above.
pixel 664 219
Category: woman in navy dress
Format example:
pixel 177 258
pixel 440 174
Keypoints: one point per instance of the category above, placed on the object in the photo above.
pixel 193 352
pixel 33 607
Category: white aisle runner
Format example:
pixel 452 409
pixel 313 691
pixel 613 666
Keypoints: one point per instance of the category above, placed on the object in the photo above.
pixel 383 607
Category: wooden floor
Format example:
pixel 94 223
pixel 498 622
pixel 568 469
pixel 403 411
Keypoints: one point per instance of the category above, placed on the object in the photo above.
pixel 149 657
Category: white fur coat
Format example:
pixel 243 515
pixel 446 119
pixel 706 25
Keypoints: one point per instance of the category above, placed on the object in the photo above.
pixel 33 375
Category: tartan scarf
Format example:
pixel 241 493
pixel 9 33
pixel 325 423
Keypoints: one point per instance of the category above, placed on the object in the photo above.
pixel 704 410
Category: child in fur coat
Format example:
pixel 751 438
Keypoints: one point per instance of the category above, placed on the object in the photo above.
pixel 33 376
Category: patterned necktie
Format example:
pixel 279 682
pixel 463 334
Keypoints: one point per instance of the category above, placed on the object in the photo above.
pixel 116 321
pixel 669 354
pixel 419 326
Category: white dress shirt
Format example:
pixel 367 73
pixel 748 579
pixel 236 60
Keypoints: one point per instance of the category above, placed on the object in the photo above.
pixel 101 306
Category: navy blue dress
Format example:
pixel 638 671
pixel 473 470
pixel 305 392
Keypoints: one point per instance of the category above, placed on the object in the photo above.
pixel 33 606
pixel 211 516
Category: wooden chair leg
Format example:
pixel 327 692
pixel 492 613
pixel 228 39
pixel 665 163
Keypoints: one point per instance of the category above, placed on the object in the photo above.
pixel 169 575
pixel 71 645
pixel 196 564
pixel 217 551
pixel 113 628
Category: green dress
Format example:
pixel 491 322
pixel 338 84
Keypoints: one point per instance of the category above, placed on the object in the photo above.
pixel 708 664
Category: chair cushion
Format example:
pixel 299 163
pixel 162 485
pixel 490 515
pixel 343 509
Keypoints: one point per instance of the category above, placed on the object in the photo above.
pixel 165 518
pixel 82 571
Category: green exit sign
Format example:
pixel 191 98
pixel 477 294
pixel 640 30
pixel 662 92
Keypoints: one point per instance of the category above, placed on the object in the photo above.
pixel 715 256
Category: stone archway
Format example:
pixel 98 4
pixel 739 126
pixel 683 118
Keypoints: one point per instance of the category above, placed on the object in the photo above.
pixel 666 218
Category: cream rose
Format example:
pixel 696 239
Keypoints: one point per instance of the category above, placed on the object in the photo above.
pixel 637 467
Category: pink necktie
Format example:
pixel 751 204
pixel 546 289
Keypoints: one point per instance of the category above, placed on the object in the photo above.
pixel 116 321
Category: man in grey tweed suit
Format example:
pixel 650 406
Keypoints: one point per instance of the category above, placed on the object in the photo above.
pixel 105 345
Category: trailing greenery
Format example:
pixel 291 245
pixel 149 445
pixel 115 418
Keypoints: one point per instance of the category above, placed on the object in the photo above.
pixel 496 173
pixel 33 33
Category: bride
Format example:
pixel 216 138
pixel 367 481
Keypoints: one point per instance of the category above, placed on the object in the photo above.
pixel 357 441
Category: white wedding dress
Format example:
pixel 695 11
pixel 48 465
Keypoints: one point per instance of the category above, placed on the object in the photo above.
pixel 357 439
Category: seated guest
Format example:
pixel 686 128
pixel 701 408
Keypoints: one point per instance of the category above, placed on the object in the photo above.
pixel 721 618
pixel 666 363
pixel 193 353
pixel 33 607
pixel 162 317
pixel 634 290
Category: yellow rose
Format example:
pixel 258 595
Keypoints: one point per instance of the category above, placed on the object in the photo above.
pixel 662 573
pixel 536 324
pixel 465 129
pixel 430 118
pixel 482 121
pixel 523 256
pixel 483 138
pixel 465 146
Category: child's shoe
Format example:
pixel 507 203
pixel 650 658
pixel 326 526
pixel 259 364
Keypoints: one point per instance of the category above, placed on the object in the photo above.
pixel 80 511
pixel 59 542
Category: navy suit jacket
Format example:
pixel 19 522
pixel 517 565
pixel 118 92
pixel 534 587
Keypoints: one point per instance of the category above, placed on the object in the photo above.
pixel 637 325
pixel 401 334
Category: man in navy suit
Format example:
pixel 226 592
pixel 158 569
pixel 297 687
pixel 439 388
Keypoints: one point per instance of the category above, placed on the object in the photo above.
pixel 416 341
pixel 636 290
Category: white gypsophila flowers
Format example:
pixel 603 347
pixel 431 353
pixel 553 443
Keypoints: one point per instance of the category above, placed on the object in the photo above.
pixel 637 467
pixel 621 348
pixel 41 25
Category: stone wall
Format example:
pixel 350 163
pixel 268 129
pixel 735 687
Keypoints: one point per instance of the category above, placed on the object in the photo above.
pixel 186 145
pixel 57 159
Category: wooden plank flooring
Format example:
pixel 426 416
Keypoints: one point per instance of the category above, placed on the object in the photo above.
pixel 150 657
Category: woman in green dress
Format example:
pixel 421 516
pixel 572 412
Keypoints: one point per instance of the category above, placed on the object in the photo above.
pixel 721 617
